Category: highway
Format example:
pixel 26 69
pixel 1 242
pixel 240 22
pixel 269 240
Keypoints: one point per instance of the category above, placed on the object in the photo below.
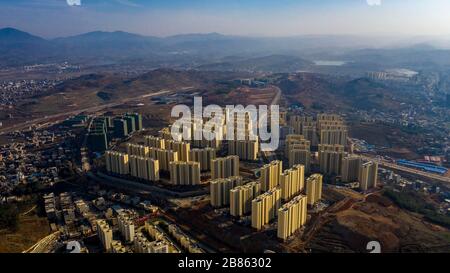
pixel 385 164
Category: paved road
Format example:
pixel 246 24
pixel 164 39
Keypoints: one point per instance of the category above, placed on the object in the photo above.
pixel 389 165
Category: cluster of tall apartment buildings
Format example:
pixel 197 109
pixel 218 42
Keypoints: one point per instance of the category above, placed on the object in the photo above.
pixel 143 245
pixel 328 134
pixel 292 216
pixel 105 234
pixel 126 226
pixel 241 198
pixel 189 244
pixel 156 241
pixel 278 193
pixel 146 161
pixel 263 199
pixel 136 166
pixel 265 207
pixel 220 190
pixel 103 129
pixel 224 167
pixel 184 173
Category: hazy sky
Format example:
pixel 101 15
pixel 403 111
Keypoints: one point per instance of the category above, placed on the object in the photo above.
pixel 52 18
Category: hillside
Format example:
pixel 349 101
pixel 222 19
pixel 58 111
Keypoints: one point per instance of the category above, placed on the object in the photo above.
pixel 272 63
pixel 210 51
pixel 318 92
pixel 94 90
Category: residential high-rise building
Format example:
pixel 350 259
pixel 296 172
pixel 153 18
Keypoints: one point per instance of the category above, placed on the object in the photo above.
pixel 126 226
pixel 245 149
pixel 285 131
pixel 155 142
pixel 117 247
pixel 182 148
pixel 299 156
pixel 166 133
pixel 241 126
pixel 137 150
pixel 143 245
pixel 220 190
pixel 184 173
pixel 292 182
pixel 298 123
pixel 204 157
pixel 137 118
pixel 283 118
pixel 270 175
pixel 333 134
pixel 332 129
pixel 330 159
pixel 105 234
pixel 314 188
pixel 131 124
pixel 241 198
pixel 224 167
pixel 310 133
pixel 329 118
pixel 296 139
pixel 97 140
pixel 144 168
pixel 120 128
pixel 265 208
pixel 164 157
pixel 350 168
pixel 292 216
pixel 368 175
pixel 117 163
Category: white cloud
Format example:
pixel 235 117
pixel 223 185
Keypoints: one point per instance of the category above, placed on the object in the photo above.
pixel 74 2
pixel 374 2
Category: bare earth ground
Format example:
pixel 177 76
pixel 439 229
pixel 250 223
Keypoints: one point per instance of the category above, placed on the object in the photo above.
pixel 378 219
pixel 31 229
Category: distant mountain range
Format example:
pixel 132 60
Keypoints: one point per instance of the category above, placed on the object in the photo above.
pixel 211 51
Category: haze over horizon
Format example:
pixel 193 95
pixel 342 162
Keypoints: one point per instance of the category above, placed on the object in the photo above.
pixel 273 18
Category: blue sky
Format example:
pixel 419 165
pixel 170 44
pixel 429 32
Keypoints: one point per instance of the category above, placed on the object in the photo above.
pixel 54 18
